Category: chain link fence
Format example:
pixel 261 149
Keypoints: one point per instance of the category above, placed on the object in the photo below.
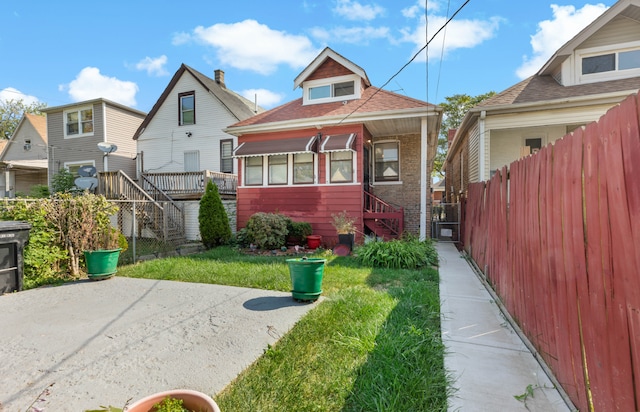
pixel 152 229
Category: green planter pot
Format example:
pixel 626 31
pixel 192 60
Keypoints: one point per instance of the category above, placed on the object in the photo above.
pixel 306 277
pixel 101 264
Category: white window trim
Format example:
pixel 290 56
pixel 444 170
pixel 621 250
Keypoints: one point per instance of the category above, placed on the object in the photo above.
pixel 328 82
pixel 79 163
pixel 265 173
pixel 610 75
pixel 373 165
pixel 78 110
pixel 327 169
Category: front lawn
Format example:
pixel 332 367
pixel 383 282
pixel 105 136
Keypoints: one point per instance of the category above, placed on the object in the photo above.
pixel 373 343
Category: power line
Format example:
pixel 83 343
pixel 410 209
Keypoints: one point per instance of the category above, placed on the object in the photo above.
pixel 409 62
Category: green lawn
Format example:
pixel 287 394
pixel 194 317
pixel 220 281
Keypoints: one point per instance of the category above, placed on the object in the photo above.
pixel 373 343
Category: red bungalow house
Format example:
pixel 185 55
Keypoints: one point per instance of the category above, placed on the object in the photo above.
pixel 344 146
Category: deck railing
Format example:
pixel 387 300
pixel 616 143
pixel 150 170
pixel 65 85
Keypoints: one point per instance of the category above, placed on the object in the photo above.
pixel 186 183
pixel 163 216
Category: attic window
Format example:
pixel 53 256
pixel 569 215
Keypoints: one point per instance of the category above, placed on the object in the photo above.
pixel 611 62
pixel 187 113
pixel 332 89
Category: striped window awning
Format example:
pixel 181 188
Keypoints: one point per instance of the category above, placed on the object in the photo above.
pixel 276 147
pixel 338 142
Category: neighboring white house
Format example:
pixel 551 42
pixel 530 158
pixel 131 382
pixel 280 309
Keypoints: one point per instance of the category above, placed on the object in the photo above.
pixel 183 132
pixel 24 158
pixel 592 72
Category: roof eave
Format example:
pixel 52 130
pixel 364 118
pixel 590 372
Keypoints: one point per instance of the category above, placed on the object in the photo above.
pixel 318 122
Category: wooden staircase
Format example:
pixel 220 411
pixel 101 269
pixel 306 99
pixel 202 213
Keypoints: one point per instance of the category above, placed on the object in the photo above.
pixel 381 218
pixel 158 213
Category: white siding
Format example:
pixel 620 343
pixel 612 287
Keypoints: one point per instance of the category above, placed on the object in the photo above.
pixel 506 144
pixel 619 30
pixel 474 153
pixel 192 227
pixel 164 142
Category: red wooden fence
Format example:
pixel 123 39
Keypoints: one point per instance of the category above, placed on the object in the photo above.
pixel 558 237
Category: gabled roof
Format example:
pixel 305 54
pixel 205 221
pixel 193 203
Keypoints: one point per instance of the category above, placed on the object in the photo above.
pixel 625 8
pixel 240 107
pixel 374 102
pixel 38 122
pixel 328 53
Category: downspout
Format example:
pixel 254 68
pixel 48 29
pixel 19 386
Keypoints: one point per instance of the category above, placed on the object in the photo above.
pixel 105 167
pixel 423 178
pixel 482 152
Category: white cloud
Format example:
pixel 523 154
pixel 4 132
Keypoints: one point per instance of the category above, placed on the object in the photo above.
pixel 354 35
pixel 153 67
pixel 554 33
pixel 90 84
pixel 265 98
pixel 353 10
pixel 10 93
pixel 458 34
pixel 249 45
pixel 418 9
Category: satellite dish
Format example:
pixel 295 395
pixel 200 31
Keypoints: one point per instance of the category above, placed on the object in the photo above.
pixel 107 147
pixel 87 171
pixel 86 182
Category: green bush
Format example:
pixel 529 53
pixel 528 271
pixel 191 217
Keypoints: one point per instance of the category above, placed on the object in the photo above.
pixel 408 253
pixel 43 256
pixel 299 229
pixel 39 191
pixel 212 218
pixel 63 181
pixel 267 230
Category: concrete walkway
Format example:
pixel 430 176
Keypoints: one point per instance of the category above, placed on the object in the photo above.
pixel 103 342
pixel 489 363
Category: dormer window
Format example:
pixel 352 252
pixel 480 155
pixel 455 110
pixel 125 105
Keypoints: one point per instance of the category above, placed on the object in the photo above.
pixel 600 64
pixel 330 90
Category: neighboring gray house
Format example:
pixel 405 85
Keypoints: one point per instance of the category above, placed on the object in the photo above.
pixel 24 158
pixel 75 130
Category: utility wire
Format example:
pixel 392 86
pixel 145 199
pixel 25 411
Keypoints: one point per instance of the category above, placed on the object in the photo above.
pixel 444 38
pixel 407 63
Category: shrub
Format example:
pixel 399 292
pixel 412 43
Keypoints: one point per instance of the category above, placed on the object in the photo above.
pixel 212 218
pixel 298 229
pixel 43 255
pixel 408 253
pixel 63 181
pixel 83 222
pixel 39 191
pixel 267 230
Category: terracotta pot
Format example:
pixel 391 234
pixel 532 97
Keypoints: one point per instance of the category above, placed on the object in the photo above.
pixel 313 241
pixel 192 400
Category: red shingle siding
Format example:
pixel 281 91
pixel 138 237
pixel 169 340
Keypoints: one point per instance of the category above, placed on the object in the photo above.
pixel 330 68
pixel 313 204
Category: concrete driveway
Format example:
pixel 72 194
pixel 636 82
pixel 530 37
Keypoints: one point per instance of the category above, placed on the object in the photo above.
pixel 104 342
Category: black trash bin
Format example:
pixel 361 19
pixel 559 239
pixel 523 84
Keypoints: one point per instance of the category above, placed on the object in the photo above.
pixel 13 238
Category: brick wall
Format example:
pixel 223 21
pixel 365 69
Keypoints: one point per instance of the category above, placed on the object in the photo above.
pixel 406 195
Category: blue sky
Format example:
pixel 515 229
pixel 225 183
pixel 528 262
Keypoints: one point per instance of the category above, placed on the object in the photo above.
pixel 126 51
